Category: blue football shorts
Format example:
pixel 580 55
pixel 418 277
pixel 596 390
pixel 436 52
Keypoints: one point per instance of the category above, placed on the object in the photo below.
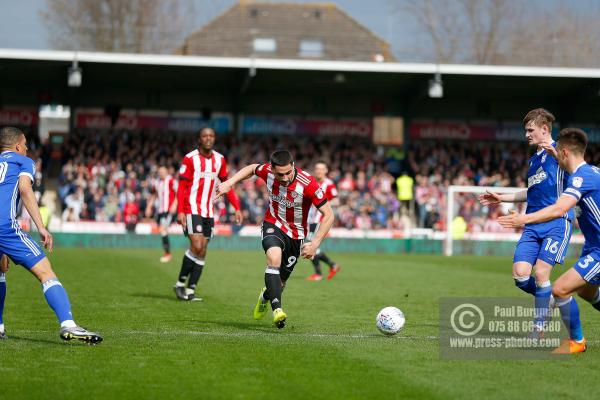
pixel 19 246
pixel 546 241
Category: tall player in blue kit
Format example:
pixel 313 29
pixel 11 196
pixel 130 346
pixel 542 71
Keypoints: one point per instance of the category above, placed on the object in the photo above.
pixel 542 245
pixel 583 190
pixel 17 172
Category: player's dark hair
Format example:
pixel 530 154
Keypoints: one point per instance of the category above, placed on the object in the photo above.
pixel 9 136
pixel 281 158
pixel 573 138
pixel 540 117
pixel 322 162
pixel 206 128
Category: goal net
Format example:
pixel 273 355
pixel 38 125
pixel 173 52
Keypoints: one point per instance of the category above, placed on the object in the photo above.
pixel 467 219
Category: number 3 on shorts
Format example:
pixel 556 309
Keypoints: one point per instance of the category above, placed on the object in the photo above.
pixel 586 262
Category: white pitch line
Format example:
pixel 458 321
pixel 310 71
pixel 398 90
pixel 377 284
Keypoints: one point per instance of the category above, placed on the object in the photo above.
pixel 280 334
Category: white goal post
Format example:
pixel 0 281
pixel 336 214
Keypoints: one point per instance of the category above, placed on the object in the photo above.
pixel 450 201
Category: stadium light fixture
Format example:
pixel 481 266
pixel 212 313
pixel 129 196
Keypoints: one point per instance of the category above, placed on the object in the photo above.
pixel 75 75
pixel 339 78
pixel 436 87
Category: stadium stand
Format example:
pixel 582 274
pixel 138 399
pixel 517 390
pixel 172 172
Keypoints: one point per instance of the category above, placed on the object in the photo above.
pixel 102 173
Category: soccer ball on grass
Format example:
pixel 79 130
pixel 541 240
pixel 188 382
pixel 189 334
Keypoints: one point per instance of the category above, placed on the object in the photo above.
pixel 390 320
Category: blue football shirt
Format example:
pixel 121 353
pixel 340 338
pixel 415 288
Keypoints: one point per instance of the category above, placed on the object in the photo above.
pixel 12 166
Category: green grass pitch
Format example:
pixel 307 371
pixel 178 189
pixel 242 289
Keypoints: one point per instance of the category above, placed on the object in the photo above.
pixel 158 348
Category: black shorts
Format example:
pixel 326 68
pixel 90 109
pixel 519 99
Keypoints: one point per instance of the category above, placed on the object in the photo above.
pixel 272 236
pixel 164 220
pixel 197 225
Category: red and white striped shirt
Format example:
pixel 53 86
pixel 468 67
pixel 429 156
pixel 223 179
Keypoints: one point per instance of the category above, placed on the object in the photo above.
pixel 328 187
pixel 198 180
pixel 289 205
pixel 165 192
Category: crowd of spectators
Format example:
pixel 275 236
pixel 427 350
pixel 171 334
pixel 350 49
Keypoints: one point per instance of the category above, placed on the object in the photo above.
pixel 108 177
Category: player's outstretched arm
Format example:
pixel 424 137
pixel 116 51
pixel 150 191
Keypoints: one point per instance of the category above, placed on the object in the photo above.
pixel 309 249
pixel 239 176
pixel 30 203
pixel 488 197
pixel 556 210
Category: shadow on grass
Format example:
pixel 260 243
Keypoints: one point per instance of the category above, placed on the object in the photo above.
pixel 33 340
pixel 246 326
pixel 159 296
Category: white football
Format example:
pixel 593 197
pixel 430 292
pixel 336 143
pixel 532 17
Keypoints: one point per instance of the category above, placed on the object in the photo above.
pixel 390 320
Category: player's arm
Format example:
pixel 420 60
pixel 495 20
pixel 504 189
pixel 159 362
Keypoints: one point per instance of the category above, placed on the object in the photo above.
pixel 232 196
pixel 174 206
pixel 564 203
pixel 30 203
pixel 186 174
pixel 310 249
pixel 4 264
pixel 325 224
pixel 149 206
pixel 488 197
pixel 182 191
pixel 239 176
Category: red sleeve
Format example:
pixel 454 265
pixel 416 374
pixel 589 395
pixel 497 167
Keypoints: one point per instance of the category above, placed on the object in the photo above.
pixel 186 173
pixel 331 192
pixel 233 199
pixel 223 171
pixel 262 171
pixel 182 194
pixel 187 169
pixel 315 193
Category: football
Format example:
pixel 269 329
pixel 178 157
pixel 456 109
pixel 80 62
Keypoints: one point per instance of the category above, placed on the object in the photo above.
pixel 390 320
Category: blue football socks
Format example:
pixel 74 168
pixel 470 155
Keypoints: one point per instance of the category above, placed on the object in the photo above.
pixel 57 299
pixel 526 284
pixel 569 312
pixel 2 297
pixel 543 291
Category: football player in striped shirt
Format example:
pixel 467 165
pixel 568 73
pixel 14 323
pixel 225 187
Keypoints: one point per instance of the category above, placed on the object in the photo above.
pixel 314 219
pixel 292 192
pixel 200 173
pixel 164 199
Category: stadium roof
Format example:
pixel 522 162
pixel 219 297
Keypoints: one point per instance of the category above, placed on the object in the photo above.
pixel 303 87
pixel 295 64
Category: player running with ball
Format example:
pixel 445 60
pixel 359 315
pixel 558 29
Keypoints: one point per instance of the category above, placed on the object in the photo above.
pixel 583 190
pixel 542 245
pixel 292 191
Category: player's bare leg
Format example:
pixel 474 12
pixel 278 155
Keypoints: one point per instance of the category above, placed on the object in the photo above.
pixel 522 276
pixel 57 299
pixel 164 234
pixel 568 283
